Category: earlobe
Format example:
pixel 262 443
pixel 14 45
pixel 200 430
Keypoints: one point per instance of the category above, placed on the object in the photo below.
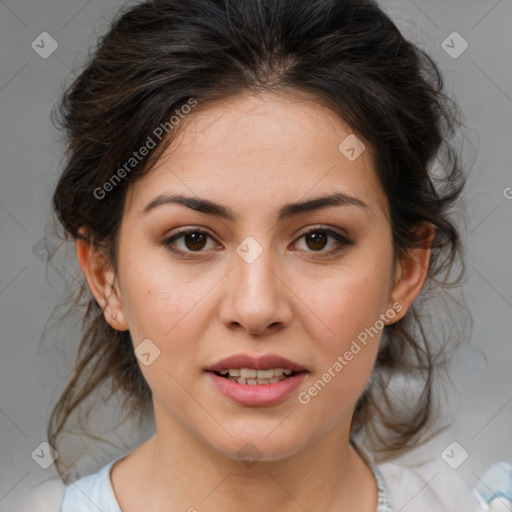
pixel 412 270
pixel 101 280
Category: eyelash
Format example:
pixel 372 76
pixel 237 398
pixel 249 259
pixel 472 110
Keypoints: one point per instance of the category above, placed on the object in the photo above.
pixel 342 240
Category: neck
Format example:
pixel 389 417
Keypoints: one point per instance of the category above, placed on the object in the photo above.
pixel 328 474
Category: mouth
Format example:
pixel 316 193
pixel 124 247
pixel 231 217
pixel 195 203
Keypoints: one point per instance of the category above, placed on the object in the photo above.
pixel 256 381
pixel 250 368
pixel 252 377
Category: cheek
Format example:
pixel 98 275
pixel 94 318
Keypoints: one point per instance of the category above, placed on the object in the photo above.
pixel 346 343
pixel 165 311
pixel 354 305
pixel 349 302
pixel 347 323
pixel 173 310
pixel 155 295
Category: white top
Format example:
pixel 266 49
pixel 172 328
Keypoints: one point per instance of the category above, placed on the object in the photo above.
pixel 430 487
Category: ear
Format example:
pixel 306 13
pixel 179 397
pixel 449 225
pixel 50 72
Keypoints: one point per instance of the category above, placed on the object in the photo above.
pixel 411 271
pixel 101 280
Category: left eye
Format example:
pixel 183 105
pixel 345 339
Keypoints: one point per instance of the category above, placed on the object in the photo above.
pixel 194 240
pixel 318 239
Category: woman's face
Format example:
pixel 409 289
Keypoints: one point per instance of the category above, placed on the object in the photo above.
pixel 261 277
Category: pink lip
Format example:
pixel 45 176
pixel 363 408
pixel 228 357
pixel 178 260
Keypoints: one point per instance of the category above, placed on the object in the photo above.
pixel 264 362
pixel 257 394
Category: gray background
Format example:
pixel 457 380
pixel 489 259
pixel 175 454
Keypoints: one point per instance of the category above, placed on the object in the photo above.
pixel 36 364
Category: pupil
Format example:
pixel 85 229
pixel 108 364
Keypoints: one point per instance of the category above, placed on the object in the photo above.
pixel 319 240
pixel 195 238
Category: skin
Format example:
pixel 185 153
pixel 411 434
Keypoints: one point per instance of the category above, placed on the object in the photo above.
pixel 253 154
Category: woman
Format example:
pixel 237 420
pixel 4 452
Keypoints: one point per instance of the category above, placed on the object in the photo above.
pixel 250 188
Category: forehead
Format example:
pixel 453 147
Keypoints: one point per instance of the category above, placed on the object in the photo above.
pixel 252 148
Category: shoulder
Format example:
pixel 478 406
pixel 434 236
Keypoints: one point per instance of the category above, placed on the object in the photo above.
pixel 93 490
pixel 427 487
pixel 44 497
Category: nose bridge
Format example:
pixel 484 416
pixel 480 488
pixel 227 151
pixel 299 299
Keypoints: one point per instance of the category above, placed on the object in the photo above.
pixel 255 273
pixel 257 296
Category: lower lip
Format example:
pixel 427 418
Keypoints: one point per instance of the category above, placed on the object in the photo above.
pixel 257 394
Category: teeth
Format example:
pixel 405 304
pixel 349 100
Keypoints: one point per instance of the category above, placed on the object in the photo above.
pixel 247 373
pixel 269 381
pixel 251 377
pixel 265 374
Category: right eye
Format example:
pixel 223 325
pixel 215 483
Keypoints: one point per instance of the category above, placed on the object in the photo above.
pixel 190 240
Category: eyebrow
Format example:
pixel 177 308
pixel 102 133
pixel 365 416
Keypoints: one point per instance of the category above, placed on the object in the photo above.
pixel 288 210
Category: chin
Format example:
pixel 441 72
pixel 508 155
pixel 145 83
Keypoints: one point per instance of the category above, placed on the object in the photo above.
pixel 264 445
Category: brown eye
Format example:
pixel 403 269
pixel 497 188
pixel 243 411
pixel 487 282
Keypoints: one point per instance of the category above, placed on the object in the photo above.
pixel 195 241
pixel 316 240
pixel 187 241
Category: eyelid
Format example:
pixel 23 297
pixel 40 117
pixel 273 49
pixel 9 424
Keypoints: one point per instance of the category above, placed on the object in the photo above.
pixel 327 229
pixel 169 239
pixel 342 239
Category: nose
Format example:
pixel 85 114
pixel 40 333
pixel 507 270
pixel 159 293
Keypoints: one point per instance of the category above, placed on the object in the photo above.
pixel 256 298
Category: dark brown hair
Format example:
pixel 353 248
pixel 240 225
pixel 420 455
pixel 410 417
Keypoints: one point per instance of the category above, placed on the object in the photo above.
pixel 347 54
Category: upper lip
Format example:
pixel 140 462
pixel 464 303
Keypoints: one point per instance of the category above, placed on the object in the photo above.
pixel 264 362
